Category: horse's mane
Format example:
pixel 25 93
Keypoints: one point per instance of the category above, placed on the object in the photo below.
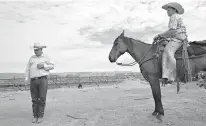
pixel 136 40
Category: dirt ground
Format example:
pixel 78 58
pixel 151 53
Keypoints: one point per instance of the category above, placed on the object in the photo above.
pixel 127 104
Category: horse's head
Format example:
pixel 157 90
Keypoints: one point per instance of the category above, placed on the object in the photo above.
pixel 119 48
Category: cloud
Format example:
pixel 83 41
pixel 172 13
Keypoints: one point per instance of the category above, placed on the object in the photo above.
pixel 86 45
pixel 80 33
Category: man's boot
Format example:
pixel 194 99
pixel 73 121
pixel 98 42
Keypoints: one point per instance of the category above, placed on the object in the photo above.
pixel 41 108
pixel 35 110
pixel 40 119
pixel 34 119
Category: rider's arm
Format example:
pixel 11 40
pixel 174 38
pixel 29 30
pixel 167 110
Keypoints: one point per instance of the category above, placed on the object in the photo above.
pixel 168 33
pixel 172 27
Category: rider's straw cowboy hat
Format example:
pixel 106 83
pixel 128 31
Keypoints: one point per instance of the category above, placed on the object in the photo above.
pixel 175 5
pixel 38 46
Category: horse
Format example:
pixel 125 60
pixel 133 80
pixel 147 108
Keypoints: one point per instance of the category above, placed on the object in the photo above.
pixel 150 66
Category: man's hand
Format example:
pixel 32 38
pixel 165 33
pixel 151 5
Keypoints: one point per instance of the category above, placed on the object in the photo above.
pixel 27 81
pixel 40 66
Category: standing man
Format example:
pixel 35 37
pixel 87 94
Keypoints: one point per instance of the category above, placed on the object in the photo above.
pixel 37 72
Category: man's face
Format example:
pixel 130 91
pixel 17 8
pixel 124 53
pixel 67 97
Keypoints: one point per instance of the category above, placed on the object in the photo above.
pixel 38 52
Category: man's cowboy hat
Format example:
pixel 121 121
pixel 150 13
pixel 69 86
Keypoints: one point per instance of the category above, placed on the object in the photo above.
pixel 38 46
pixel 175 5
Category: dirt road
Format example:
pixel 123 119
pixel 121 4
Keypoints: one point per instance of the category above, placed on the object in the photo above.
pixel 130 104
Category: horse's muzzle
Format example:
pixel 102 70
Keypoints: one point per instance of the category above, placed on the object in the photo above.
pixel 111 60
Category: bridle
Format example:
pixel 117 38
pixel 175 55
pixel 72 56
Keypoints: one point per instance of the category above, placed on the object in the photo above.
pixel 141 60
pixel 135 62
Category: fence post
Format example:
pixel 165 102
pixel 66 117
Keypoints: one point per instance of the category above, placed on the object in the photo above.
pixel 14 83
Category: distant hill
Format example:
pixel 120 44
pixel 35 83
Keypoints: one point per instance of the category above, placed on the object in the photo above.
pixel 11 75
pixel 80 74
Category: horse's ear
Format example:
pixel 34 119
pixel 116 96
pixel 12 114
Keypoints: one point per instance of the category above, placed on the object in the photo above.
pixel 122 34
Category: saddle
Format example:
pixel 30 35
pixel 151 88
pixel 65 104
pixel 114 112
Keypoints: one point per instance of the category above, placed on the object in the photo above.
pixel 195 48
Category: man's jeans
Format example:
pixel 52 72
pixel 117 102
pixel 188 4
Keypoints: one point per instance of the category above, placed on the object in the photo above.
pixel 38 89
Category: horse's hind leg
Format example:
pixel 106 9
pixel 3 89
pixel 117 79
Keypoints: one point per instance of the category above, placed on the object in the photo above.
pixel 178 85
pixel 156 91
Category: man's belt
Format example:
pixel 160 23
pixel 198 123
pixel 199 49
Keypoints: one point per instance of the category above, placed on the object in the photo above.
pixel 36 78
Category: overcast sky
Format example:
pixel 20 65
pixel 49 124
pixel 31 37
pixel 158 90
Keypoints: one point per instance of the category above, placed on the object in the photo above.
pixel 80 33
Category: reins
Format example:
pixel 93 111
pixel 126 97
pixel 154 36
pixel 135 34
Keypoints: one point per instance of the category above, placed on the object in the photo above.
pixel 141 59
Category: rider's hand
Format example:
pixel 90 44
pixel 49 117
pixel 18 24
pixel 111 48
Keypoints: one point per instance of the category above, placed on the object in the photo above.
pixel 157 36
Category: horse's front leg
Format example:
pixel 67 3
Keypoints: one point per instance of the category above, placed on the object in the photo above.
pixel 156 91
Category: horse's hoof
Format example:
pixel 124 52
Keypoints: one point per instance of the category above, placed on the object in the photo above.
pixel 154 113
pixel 200 85
pixel 160 117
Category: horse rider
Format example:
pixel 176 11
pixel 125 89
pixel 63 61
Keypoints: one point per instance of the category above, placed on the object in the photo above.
pixel 176 34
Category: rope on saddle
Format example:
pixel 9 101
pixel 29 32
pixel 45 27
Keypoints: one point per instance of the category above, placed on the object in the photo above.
pixel 186 62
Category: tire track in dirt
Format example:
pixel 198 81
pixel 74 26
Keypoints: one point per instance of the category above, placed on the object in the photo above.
pixel 75 119
pixel 94 120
